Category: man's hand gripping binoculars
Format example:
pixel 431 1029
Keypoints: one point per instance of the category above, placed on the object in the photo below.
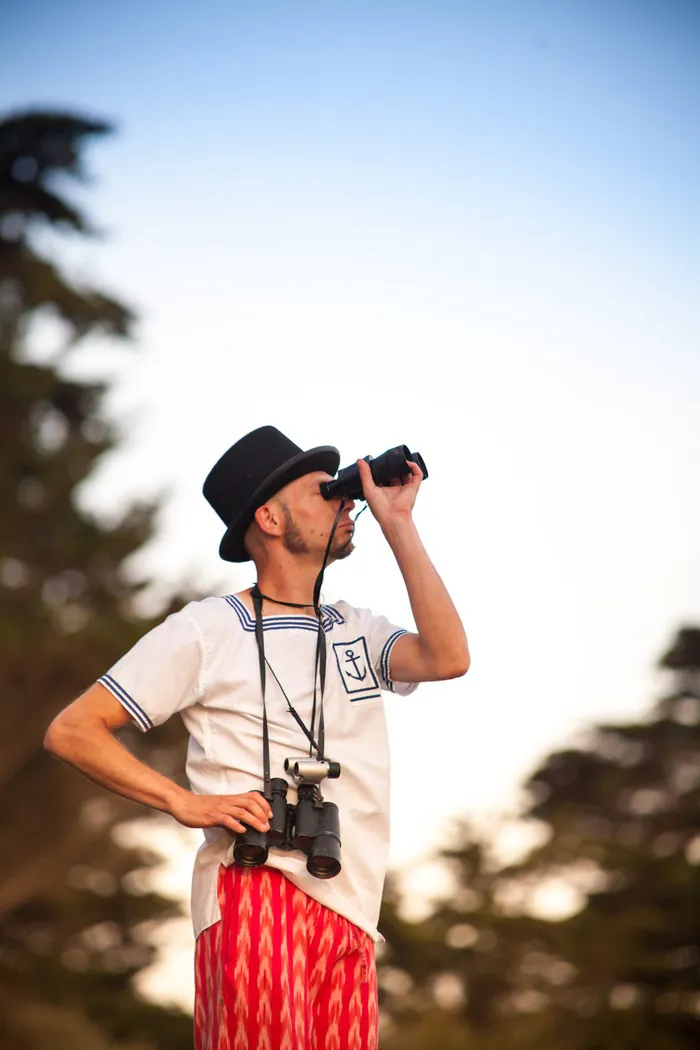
pixel 311 826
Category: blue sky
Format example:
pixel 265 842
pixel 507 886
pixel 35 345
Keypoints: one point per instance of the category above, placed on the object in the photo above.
pixel 495 138
pixel 471 227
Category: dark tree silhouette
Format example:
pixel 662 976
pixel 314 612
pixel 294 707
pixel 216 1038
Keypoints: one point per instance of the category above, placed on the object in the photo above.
pixel 622 820
pixel 69 912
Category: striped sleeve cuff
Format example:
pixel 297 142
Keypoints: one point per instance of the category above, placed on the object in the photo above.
pixel 119 693
pixel 384 658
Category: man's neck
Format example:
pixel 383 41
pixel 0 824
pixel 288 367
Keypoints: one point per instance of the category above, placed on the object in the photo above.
pixel 293 583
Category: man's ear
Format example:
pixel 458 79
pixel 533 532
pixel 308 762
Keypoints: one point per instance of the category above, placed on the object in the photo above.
pixel 269 519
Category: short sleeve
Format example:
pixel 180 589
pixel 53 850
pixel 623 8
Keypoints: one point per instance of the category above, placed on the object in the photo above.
pixel 382 636
pixel 161 674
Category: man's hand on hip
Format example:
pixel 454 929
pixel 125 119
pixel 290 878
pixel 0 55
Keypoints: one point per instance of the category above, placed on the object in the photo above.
pixel 223 811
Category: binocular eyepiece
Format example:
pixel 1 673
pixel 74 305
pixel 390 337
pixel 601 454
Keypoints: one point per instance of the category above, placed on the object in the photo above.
pixel 391 464
pixel 311 826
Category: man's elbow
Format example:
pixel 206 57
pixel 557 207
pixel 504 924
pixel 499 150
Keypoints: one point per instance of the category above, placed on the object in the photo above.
pixel 459 669
pixel 64 737
pixel 456 667
pixel 56 738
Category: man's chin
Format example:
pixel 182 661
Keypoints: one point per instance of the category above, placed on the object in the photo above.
pixel 342 551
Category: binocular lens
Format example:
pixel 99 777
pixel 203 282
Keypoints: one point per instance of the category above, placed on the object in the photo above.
pixel 420 462
pixel 323 867
pixel 249 854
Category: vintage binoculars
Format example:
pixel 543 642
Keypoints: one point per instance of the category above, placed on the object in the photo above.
pixel 311 825
pixel 391 464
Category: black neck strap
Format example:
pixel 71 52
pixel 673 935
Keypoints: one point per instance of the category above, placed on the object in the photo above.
pixel 257 605
pixel 293 605
pixel 319 664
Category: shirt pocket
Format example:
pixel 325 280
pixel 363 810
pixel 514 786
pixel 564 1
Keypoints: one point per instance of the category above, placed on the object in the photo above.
pixel 354 668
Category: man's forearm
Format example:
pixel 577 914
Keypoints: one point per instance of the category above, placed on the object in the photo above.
pixel 437 621
pixel 96 753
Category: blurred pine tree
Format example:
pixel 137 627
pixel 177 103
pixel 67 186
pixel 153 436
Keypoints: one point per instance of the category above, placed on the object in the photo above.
pixel 70 935
pixel 621 816
pixel 624 817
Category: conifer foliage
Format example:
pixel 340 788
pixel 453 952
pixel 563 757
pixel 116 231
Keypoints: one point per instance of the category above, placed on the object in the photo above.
pixel 71 900
pixel 620 820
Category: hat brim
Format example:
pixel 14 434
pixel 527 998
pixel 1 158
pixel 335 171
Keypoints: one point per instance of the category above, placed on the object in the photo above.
pixel 325 457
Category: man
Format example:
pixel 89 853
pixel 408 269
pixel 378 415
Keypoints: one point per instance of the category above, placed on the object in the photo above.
pixel 284 959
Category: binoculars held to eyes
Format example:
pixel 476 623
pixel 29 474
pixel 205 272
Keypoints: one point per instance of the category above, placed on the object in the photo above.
pixel 391 464
pixel 312 825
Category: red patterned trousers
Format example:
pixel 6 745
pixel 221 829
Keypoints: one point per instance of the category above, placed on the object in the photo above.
pixel 281 972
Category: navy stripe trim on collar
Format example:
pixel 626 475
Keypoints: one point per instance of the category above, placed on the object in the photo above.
pixel 329 617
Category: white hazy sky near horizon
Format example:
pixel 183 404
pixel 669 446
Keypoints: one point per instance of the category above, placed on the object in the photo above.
pixel 472 228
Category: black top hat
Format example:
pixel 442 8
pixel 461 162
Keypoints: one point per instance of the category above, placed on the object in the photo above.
pixel 252 471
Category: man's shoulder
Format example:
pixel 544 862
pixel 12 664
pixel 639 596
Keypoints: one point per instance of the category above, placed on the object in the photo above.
pixel 365 619
pixel 216 612
pixel 344 612
pixel 341 608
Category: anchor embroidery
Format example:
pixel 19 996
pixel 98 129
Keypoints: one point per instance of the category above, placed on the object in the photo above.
pixel 355 667
pixel 354 660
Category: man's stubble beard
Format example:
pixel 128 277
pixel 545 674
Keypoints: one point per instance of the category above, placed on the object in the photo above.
pixel 293 540
pixel 295 543
pixel 342 550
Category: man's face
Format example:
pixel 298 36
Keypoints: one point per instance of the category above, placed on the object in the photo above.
pixel 309 518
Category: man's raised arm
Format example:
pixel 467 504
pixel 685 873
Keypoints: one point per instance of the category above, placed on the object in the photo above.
pixel 439 649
